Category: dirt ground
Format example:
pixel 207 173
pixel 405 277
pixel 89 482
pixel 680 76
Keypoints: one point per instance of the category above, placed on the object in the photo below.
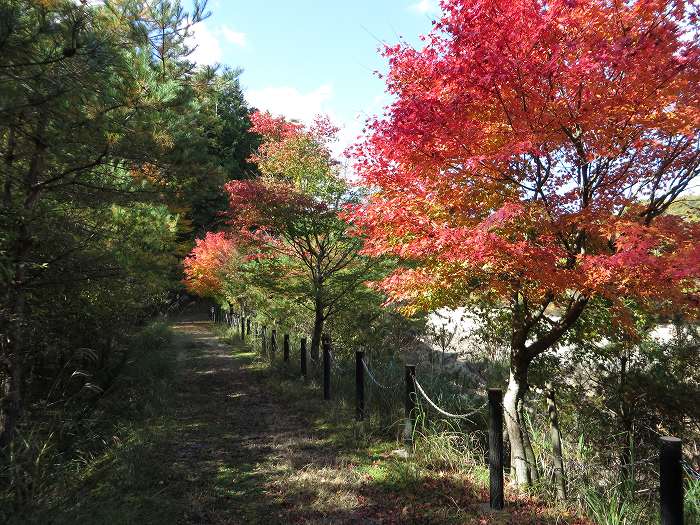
pixel 252 447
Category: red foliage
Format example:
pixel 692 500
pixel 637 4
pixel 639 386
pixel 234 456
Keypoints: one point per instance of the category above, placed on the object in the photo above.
pixel 262 214
pixel 534 148
pixel 273 128
pixel 291 150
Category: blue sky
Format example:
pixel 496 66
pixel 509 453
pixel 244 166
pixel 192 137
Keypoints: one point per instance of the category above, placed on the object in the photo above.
pixel 304 57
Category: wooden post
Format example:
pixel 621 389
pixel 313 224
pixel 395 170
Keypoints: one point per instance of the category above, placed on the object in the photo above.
pixel 286 348
pixel 302 352
pixel 326 367
pixel 671 480
pixel 273 343
pixel 242 328
pixel 411 402
pixel 248 322
pixel 359 386
pixel 496 448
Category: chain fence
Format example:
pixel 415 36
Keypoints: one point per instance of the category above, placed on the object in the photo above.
pixel 374 379
pixel 443 412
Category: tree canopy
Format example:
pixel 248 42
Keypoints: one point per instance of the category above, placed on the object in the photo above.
pixel 529 159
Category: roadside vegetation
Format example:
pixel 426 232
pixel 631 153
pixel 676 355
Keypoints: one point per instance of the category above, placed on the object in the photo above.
pixel 534 171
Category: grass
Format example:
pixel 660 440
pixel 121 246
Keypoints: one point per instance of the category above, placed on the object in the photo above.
pixel 104 452
pixel 356 474
pixel 205 433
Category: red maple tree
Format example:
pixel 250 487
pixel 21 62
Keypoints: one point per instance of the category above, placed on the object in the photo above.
pixel 287 220
pixel 205 266
pixel 529 159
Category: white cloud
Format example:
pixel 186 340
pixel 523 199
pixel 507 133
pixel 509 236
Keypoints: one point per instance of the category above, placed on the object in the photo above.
pixel 234 37
pixel 208 50
pixel 290 102
pixel 426 6
pixel 208 43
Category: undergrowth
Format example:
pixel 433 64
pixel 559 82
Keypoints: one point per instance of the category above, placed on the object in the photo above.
pixel 54 456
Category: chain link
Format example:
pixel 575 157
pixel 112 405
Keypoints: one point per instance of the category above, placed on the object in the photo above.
pixel 374 380
pixel 690 470
pixel 444 412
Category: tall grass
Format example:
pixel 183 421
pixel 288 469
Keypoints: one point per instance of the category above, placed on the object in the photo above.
pixel 58 440
pixel 692 501
pixel 614 507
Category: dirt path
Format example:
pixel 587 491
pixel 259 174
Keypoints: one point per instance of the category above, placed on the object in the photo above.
pixel 254 447
pixel 244 451
pixel 204 432
pixel 232 430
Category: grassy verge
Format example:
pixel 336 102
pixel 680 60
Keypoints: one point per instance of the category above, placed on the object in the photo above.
pixel 98 460
pixel 356 471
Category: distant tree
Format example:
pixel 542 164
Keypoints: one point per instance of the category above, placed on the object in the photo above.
pixel 300 247
pixel 205 266
pixel 212 144
pixel 528 161
pixel 288 238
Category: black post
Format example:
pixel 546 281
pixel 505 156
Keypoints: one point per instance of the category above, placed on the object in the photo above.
pixel 242 328
pixel 671 481
pixel 248 330
pixel 302 352
pixel 410 406
pixel 496 447
pixel 273 343
pixel 359 385
pixel 286 348
pixel 326 367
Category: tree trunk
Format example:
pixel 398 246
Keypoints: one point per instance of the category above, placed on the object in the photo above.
pixel 14 347
pixel 626 417
pixel 12 405
pixel 318 331
pixel 522 352
pixel 517 386
pixel 557 457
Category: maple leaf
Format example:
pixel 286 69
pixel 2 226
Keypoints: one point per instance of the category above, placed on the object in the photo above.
pixel 534 147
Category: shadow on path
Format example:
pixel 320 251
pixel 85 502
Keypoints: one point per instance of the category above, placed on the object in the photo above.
pixel 239 444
